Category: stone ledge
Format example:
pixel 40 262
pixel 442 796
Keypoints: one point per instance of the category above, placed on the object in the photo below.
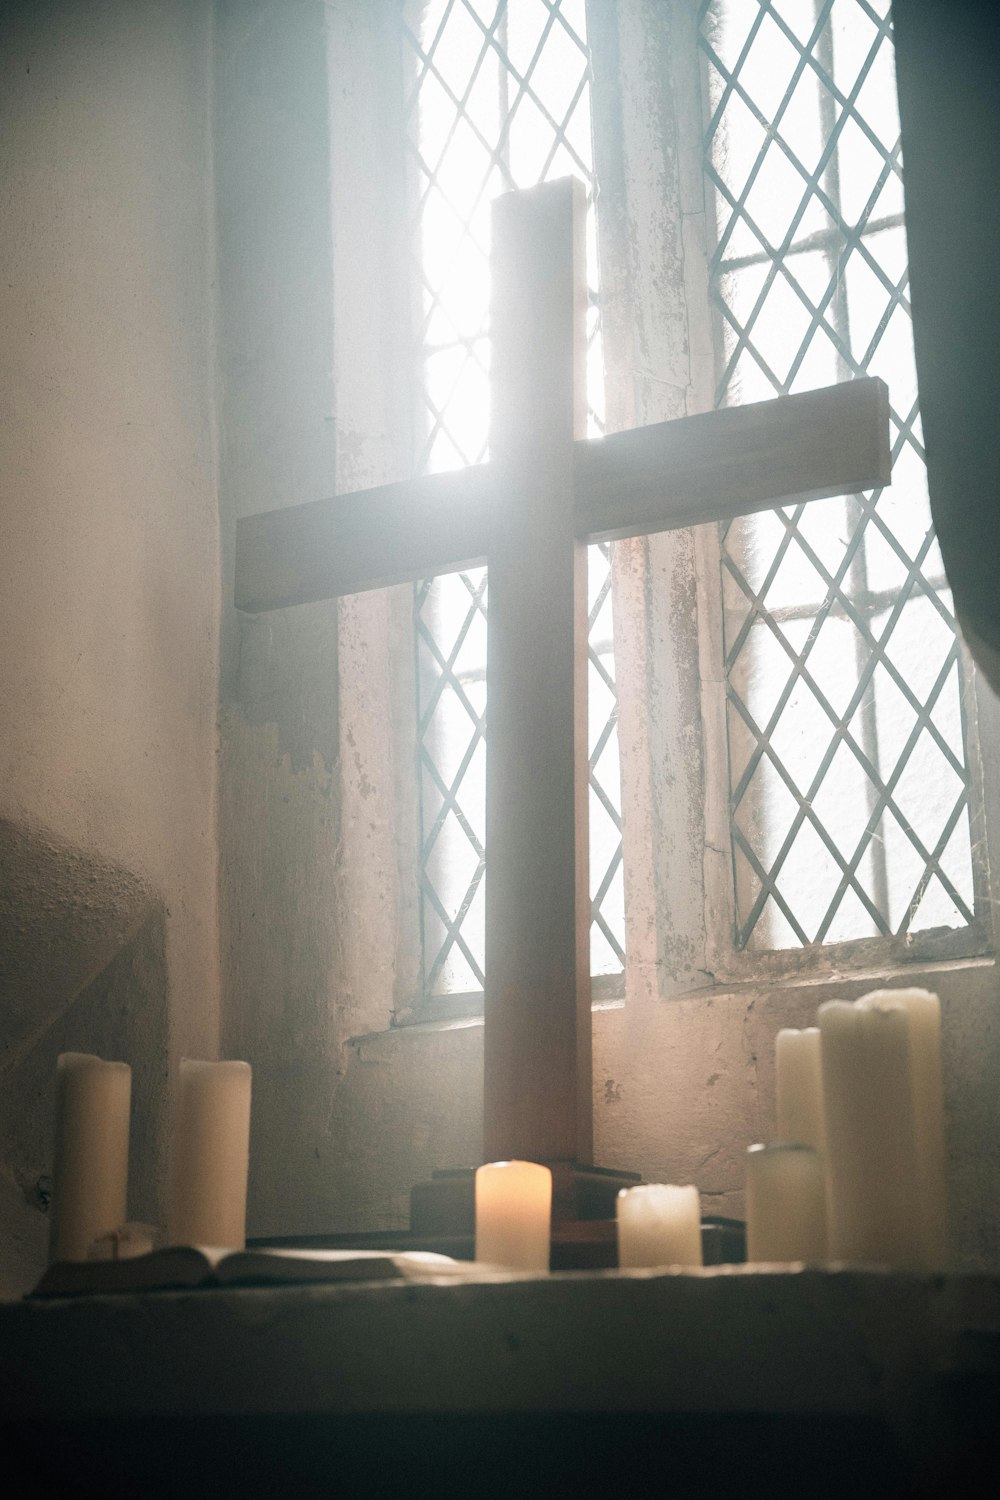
pixel 726 1339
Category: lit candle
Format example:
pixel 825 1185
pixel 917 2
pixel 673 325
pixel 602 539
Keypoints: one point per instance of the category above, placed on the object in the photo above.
pixel 923 1011
pixel 90 1171
pixel 870 1135
pixel 514 1214
pixel 799 1088
pixel 211 1155
pixel 659 1224
pixel 786 1204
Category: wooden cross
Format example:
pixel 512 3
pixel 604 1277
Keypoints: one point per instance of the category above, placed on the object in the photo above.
pixel 529 513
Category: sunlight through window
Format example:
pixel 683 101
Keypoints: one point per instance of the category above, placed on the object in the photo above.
pixel 500 98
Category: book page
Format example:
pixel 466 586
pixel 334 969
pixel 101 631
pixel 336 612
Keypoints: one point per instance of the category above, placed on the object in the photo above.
pixel 284 1266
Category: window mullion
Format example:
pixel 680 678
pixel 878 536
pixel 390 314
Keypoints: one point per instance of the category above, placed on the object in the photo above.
pixel 655 318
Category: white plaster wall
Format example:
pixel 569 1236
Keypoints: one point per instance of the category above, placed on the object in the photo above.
pixel 110 592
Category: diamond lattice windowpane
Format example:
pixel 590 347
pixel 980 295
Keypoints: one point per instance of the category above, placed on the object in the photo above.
pixel 501 99
pixel 769 69
pixel 848 776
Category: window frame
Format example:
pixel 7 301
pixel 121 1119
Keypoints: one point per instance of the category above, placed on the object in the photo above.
pixel 879 955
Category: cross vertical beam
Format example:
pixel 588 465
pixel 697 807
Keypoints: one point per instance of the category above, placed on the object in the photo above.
pixel 538 1088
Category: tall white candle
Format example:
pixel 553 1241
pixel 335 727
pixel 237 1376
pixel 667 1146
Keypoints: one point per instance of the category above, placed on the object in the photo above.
pixel 871 1136
pixel 90 1170
pixel 211 1155
pixel 786 1204
pixel 514 1215
pixel 659 1224
pixel 923 1012
pixel 799 1088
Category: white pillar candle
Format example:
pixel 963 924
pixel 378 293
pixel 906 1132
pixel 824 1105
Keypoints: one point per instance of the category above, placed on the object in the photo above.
pixel 659 1224
pixel 870 1136
pixel 799 1089
pixel 211 1155
pixel 786 1204
pixel 90 1170
pixel 923 1011
pixel 514 1215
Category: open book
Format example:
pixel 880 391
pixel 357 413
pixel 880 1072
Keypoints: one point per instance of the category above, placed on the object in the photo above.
pixel 185 1266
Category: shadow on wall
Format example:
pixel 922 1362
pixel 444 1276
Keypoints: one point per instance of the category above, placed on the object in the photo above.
pixel 82 968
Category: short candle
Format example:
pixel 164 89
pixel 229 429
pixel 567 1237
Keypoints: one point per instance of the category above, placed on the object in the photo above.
pixel 125 1243
pixel 659 1224
pixel 514 1215
pixel 786 1204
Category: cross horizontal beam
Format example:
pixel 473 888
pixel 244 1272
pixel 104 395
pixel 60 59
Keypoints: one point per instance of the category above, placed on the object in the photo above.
pixel 712 467
pixel 734 462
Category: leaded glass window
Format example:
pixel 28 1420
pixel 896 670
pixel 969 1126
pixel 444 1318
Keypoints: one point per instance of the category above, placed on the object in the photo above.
pixel 849 776
pixel 499 98
pixel 849 783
